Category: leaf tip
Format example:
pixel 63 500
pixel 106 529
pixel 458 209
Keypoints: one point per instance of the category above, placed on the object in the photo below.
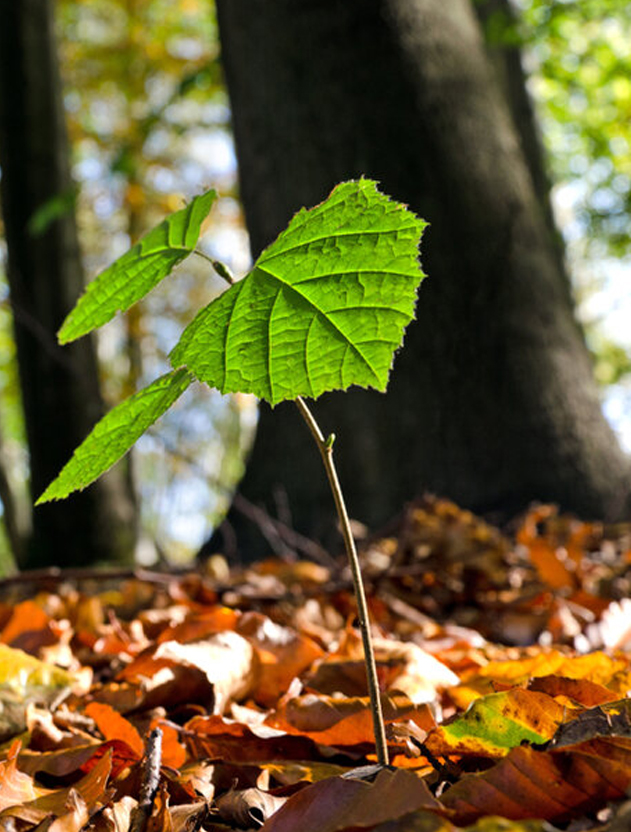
pixel 47 496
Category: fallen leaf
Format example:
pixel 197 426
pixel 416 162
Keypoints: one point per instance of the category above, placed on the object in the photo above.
pixel 282 654
pixel 218 738
pixel 16 787
pixel 91 788
pixel 340 803
pixel 248 808
pixel 113 726
pixel 494 724
pixel 582 691
pixel 76 816
pixel 226 659
pixel 344 720
pixel 550 785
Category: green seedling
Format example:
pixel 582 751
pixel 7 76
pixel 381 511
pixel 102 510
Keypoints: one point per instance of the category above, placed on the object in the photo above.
pixel 324 307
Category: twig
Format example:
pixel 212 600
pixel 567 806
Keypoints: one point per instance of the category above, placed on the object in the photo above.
pixel 288 535
pixel 279 535
pixel 150 781
pixel 325 446
pixel 57 575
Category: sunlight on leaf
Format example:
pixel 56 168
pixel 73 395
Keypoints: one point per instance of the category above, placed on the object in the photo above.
pixel 25 675
pixel 116 432
pixel 17 787
pixel 324 307
pixel 496 723
pixel 141 268
pixel 113 726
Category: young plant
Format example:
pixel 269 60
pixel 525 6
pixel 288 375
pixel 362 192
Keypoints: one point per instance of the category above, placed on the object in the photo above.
pixel 324 307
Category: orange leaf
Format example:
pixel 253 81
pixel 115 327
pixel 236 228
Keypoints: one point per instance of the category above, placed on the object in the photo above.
pixel 229 741
pixel 199 625
pixel 173 752
pixel 282 652
pixel 578 690
pixel 337 720
pixel 28 617
pixel 113 726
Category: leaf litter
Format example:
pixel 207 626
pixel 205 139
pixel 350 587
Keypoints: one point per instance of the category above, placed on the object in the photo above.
pixel 503 662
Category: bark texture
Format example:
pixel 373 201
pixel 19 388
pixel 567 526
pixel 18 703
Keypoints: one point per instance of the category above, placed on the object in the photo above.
pixel 60 388
pixel 492 401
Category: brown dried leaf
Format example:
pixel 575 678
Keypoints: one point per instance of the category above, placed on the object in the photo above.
pixel 248 808
pixel 555 785
pixel 343 720
pixel 340 803
pixel 16 787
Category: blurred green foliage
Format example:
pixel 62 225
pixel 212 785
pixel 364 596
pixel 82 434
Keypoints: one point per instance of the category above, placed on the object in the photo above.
pixel 581 81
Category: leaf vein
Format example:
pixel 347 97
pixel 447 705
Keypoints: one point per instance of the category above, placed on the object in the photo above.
pixel 325 317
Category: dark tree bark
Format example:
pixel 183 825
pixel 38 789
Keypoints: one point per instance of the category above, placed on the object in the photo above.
pixel 60 388
pixel 492 401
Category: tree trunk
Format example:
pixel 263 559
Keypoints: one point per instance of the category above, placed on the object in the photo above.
pixel 491 402
pixel 60 388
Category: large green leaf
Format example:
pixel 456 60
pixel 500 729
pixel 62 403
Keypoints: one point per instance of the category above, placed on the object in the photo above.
pixel 141 268
pixel 114 435
pixel 324 306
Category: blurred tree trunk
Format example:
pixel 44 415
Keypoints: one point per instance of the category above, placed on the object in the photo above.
pixel 60 387
pixel 492 401
pixel 501 33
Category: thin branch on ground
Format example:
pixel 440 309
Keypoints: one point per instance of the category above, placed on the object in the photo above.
pixel 150 781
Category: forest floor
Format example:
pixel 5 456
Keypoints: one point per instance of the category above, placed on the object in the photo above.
pixel 236 699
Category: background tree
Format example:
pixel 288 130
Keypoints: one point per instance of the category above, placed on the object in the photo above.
pixel 60 388
pixel 493 401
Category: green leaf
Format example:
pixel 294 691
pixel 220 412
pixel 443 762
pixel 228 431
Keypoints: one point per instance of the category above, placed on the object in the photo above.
pixel 498 722
pixel 141 268
pixel 324 307
pixel 115 433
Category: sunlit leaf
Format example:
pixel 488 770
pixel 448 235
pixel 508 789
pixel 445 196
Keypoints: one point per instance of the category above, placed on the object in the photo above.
pixel 346 720
pixel 582 691
pixel 113 726
pixel 58 802
pixel 115 433
pixel 494 724
pixel 282 655
pixel 17 787
pixel 27 676
pixel 598 667
pixel 324 306
pixel 141 268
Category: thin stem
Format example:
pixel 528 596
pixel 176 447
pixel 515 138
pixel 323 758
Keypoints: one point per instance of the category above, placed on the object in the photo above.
pixel 325 447
pixel 202 254
pixel 220 268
